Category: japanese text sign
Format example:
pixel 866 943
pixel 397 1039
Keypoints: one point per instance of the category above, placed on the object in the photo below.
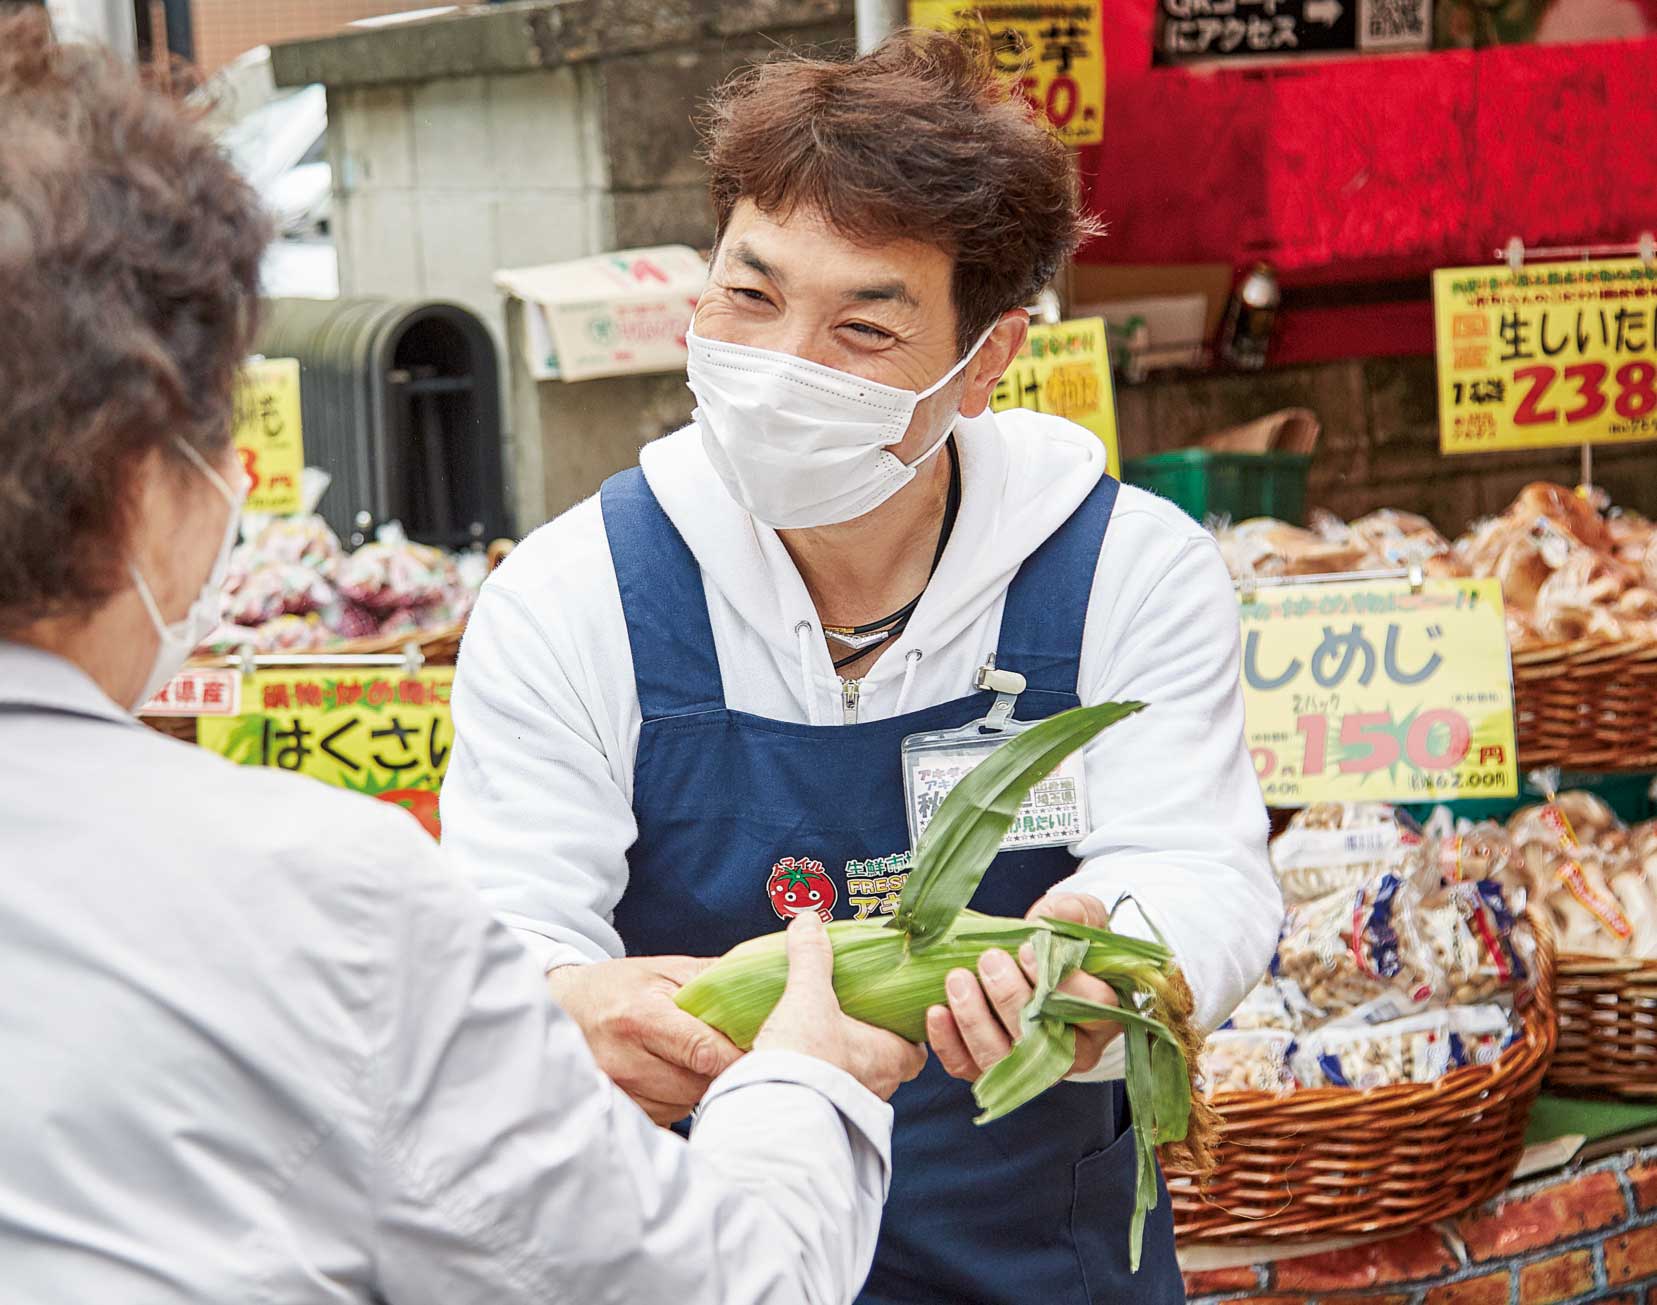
pixel 268 435
pixel 1053 53
pixel 379 732
pixel 198 692
pixel 1064 369
pixel 1190 30
pixel 1550 354
pixel 1359 691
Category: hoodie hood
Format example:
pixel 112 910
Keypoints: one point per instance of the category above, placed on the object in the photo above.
pixel 1022 475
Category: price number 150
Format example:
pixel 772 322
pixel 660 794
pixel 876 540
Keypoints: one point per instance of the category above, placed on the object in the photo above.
pixel 1370 741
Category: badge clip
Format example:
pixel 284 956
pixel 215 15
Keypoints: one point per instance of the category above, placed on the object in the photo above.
pixel 1006 685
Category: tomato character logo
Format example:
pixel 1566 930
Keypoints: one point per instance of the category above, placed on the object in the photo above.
pixel 801 885
pixel 418 803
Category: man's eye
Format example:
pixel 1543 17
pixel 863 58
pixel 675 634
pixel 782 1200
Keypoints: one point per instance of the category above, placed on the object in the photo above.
pixel 752 296
pixel 870 332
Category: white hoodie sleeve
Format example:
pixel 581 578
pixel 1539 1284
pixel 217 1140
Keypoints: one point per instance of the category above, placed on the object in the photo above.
pixel 534 812
pixel 505 1168
pixel 1178 823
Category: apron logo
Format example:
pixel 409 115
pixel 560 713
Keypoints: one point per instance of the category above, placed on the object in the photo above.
pixel 873 886
pixel 798 885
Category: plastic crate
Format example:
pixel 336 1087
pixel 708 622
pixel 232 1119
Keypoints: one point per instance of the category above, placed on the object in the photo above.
pixel 1236 485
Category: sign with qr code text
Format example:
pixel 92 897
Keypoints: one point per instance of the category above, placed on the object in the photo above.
pixel 1190 31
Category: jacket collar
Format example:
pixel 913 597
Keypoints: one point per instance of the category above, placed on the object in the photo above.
pixel 31 678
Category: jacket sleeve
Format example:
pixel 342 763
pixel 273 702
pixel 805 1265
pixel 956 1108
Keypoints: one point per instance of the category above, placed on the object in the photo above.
pixel 506 1168
pixel 1178 826
pixel 533 811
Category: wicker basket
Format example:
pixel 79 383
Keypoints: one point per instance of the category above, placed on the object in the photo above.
pixel 1587 705
pixel 1335 1162
pixel 1607 1027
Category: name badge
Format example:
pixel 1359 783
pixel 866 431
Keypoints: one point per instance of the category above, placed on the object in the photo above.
pixel 1055 814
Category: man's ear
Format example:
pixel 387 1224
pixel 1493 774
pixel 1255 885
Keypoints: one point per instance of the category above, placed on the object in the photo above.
pixel 996 354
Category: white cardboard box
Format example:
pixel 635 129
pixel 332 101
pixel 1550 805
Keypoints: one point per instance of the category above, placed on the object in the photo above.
pixel 610 315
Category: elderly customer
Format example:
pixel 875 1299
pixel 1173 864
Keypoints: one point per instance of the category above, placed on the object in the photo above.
pixel 682 707
pixel 258 1044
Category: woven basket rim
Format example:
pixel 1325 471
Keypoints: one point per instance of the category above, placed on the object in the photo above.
pixel 374 644
pixel 1370 1130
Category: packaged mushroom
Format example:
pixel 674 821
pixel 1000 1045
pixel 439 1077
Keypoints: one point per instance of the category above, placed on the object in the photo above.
pixel 1403 937
pixel 1415 1049
pixel 1584 867
pixel 1252 1060
pixel 1336 846
pixel 1348 948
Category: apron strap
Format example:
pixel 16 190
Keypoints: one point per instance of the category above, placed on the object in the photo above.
pixel 674 663
pixel 1046 608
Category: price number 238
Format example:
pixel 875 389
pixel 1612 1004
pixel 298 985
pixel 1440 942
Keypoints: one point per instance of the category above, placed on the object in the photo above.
pixel 1635 384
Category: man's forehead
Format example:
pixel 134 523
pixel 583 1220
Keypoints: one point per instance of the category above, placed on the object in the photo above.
pixel 880 274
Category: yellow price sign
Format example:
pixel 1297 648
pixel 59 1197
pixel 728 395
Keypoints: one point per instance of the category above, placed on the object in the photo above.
pixel 1551 354
pixel 1064 370
pixel 1053 53
pixel 383 733
pixel 1369 691
pixel 268 434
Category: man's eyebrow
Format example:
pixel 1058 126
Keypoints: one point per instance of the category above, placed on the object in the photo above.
pixel 744 254
pixel 885 292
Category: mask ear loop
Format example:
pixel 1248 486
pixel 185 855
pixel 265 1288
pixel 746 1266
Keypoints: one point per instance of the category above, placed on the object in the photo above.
pixel 206 469
pixel 944 380
pixel 956 370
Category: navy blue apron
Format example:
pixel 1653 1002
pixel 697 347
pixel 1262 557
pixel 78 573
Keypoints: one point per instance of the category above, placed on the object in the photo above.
pixel 1030 1210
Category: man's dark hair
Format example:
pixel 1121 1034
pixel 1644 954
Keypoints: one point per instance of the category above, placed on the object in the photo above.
pixel 129 270
pixel 918 139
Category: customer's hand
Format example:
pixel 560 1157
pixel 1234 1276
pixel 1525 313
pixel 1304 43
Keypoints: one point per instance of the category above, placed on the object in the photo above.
pixel 660 1056
pixel 808 1019
pixel 981 1022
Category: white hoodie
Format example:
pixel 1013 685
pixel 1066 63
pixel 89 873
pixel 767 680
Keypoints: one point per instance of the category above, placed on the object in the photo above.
pixel 537 804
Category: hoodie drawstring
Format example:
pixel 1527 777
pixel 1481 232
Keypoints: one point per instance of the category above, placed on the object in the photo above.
pixel 803 631
pixel 911 659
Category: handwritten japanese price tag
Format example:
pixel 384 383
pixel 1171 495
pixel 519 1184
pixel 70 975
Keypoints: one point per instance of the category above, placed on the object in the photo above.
pixel 381 733
pixel 1064 369
pixel 1367 691
pixel 1553 354
pixel 268 435
pixel 1054 54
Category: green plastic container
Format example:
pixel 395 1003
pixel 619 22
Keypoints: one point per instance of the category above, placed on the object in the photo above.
pixel 1236 485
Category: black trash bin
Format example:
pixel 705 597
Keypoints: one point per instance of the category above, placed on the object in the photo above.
pixel 400 401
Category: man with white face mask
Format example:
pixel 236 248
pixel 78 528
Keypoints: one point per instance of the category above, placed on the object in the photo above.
pixel 685 709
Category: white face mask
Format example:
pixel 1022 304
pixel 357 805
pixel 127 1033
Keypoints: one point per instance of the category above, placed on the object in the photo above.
pixel 799 444
pixel 180 638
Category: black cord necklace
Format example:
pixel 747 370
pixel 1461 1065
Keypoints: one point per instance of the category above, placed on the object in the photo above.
pixel 890 627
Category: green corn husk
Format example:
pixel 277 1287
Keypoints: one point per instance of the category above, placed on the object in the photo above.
pixel 890 973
